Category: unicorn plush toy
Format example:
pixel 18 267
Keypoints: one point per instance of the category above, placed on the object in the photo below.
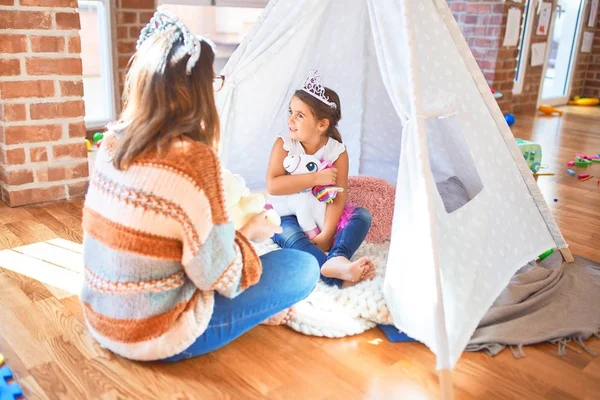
pixel 309 205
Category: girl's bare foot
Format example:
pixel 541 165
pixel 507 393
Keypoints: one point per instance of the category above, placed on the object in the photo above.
pixel 361 270
pixel 351 272
pixel 281 318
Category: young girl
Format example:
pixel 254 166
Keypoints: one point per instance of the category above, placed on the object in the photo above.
pixel 314 113
pixel 166 275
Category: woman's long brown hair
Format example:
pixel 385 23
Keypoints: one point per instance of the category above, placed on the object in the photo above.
pixel 162 102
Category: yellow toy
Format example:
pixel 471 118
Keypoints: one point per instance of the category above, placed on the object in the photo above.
pixel 88 144
pixel 243 204
pixel 549 110
pixel 584 101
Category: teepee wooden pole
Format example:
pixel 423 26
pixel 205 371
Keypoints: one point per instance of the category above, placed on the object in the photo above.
pixel 418 117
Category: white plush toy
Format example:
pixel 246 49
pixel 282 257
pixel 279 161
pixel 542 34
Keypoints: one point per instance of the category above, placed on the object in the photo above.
pixel 309 205
pixel 243 204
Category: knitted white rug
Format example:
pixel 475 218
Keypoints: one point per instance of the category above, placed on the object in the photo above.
pixel 332 312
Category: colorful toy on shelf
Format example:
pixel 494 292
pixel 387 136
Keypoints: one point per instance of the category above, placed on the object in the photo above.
pixel 584 101
pixel 8 391
pixel 97 138
pixel 549 110
pixel 497 95
pixel 532 152
pixel 88 145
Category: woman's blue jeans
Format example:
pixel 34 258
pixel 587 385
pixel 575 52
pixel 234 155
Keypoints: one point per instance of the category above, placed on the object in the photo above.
pixel 288 277
pixel 347 241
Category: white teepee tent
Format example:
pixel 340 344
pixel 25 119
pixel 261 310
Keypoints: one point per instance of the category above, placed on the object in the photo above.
pixel 416 110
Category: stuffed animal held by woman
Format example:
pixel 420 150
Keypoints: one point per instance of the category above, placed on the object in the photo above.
pixel 309 205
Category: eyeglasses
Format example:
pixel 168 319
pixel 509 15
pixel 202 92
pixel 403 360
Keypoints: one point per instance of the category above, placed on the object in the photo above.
pixel 218 82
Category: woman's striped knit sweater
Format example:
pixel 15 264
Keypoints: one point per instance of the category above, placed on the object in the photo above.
pixel 157 244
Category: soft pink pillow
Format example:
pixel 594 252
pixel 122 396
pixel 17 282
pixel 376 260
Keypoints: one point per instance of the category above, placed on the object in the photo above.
pixel 377 196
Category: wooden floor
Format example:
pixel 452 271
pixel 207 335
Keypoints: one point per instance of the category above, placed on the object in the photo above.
pixel 44 340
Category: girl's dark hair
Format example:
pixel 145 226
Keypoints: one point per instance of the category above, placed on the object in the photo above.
pixel 323 111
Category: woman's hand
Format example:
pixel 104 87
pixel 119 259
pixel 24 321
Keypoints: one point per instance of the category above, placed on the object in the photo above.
pixel 259 228
pixel 326 177
pixel 323 241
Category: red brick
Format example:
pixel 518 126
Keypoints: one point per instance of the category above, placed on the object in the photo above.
pixel 122 32
pixel 66 109
pixel 126 47
pixel 50 3
pixel 68 21
pixel 77 130
pixel 7 2
pixel 32 133
pixel 138 4
pixel 145 17
pixel 488 65
pixel 126 18
pixel 10 67
pixel 134 32
pixel 481 42
pixel 492 20
pixel 457 7
pixel 72 150
pixel 15 156
pixel 38 154
pixel 71 88
pixel 19 177
pixel 53 174
pixel 13 19
pixel 49 66
pixel 75 44
pixel 468 19
pixel 123 61
pixel 78 189
pixel 13 44
pixel 14 112
pixel 47 44
pixel 478 8
pixel 17 198
pixel 20 89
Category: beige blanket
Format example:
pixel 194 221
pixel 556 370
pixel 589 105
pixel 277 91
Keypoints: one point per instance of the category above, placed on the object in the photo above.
pixel 549 301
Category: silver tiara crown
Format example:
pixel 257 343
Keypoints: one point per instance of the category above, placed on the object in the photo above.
pixel 164 21
pixel 312 86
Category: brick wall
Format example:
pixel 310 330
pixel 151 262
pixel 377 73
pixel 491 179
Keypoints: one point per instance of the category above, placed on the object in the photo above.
pixel 130 17
pixel 483 24
pixel 587 79
pixel 42 149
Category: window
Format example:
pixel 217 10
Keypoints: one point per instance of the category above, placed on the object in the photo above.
pixel 563 38
pixel 96 58
pixel 225 22
pixel 524 43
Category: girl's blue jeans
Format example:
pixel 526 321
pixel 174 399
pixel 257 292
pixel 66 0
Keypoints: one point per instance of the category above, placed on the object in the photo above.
pixel 347 241
pixel 288 276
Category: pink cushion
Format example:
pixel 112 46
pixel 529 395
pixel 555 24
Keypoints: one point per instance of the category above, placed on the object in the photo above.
pixel 377 196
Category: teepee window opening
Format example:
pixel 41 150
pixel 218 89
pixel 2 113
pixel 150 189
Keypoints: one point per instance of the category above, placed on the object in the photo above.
pixel 452 164
pixel 225 22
